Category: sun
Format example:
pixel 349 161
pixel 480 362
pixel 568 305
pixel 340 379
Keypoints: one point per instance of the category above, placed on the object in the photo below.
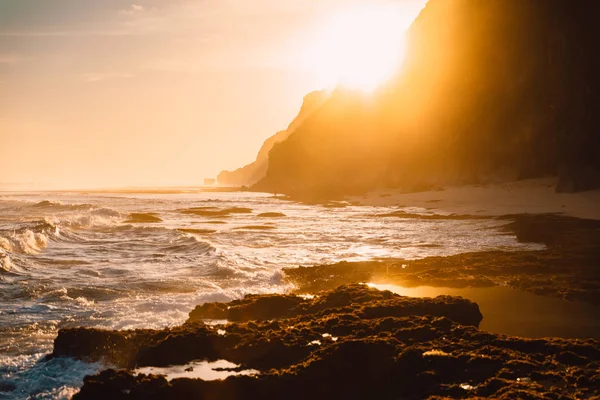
pixel 361 47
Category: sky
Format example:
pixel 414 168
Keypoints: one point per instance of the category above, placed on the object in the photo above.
pixel 156 92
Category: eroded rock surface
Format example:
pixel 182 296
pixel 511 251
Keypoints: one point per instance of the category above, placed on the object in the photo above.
pixel 353 342
pixel 357 305
pixel 358 299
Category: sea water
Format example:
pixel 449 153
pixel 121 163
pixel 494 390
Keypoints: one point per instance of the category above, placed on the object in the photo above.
pixel 82 259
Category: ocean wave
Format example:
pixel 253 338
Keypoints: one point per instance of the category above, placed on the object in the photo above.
pixel 46 203
pixel 10 267
pixel 57 205
pixel 5 261
pixel 89 294
pixel 268 282
pixel 31 238
pixel 59 378
pixel 97 218
pixel 187 244
pixel 75 215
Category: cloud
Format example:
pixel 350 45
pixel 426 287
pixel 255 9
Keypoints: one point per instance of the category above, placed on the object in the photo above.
pixel 133 9
pixel 104 76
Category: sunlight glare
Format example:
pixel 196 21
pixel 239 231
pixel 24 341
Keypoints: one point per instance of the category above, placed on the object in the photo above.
pixel 362 47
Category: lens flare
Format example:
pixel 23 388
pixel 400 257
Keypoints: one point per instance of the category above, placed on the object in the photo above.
pixel 362 47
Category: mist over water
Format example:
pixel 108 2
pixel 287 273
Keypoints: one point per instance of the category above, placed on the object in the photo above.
pixel 126 261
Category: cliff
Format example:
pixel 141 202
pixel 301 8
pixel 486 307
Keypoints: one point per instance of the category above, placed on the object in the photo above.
pixel 252 173
pixel 490 90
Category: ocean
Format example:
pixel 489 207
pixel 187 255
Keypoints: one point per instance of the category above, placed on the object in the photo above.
pixel 126 260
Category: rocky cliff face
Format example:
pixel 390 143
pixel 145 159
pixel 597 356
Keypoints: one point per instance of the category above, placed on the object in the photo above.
pixel 252 173
pixel 490 90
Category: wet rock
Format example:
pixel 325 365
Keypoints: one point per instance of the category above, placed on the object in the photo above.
pixel 6 386
pixel 252 307
pixel 367 302
pixel 120 348
pixel 570 358
pixel 347 311
pixel 386 347
pixel 114 385
pixel 271 215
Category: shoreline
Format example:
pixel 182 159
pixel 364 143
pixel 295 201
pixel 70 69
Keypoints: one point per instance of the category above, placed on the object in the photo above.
pixel 532 196
pixel 332 328
pixel 565 269
pixel 352 342
pixel 264 327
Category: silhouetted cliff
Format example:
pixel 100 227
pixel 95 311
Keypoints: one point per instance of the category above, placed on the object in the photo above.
pixel 490 90
pixel 252 173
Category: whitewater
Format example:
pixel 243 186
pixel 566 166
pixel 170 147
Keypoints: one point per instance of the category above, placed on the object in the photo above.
pixel 125 260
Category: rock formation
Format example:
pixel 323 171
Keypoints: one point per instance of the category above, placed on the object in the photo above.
pixel 252 173
pixel 490 90
pixel 352 343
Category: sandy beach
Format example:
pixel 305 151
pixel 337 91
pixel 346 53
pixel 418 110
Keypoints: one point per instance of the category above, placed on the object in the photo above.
pixel 534 196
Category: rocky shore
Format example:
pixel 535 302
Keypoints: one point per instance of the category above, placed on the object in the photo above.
pixel 351 342
pixel 566 268
pixel 337 338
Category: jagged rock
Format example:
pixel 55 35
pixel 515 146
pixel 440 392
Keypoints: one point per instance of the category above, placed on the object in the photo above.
pixel 366 302
pixel 334 348
pixel 357 305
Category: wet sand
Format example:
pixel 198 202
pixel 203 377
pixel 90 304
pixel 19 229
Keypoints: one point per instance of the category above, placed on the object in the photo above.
pixel 533 196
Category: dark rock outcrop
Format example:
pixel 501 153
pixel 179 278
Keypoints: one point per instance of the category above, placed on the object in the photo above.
pixel 340 350
pixel 366 303
pixel 195 341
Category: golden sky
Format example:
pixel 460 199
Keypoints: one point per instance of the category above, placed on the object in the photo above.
pixel 157 92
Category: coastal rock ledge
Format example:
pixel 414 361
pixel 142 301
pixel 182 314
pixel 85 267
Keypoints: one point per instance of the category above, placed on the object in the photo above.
pixel 353 342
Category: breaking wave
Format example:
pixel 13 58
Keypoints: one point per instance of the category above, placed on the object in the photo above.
pixel 29 238
pixel 59 206
pixel 107 261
